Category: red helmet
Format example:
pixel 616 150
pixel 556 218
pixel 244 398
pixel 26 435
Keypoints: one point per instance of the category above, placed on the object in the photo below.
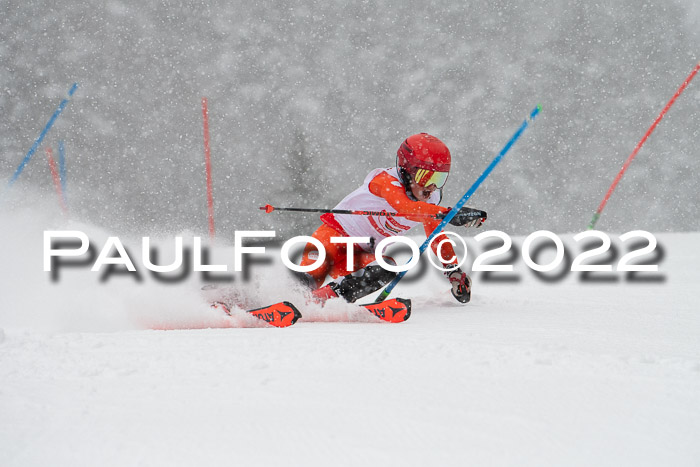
pixel 424 159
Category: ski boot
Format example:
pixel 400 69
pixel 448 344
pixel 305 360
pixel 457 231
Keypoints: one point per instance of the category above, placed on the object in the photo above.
pixel 356 285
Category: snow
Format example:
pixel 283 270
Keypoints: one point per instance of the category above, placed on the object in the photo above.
pixel 304 99
pixel 528 373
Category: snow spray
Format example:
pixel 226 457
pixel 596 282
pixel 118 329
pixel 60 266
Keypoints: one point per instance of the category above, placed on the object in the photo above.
pixel 46 129
pixel 627 163
pixel 385 293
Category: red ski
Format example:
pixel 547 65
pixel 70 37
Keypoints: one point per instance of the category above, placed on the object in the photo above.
pixel 283 314
pixel 394 310
pixel 280 314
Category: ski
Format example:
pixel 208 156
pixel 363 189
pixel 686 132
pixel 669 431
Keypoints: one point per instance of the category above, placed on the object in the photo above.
pixel 284 314
pixel 280 314
pixel 395 310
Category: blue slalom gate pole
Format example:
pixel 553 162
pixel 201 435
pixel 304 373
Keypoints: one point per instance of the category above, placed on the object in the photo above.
pixel 46 129
pixel 385 293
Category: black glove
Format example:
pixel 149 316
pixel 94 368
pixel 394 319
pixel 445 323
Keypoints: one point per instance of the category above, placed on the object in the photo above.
pixel 461 285
pixel 467 217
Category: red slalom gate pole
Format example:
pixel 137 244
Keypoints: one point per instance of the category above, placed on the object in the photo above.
pixel 56 180
pixel 627 163
pixel 207 160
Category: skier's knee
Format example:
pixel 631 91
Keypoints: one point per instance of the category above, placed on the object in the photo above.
pixel 365 281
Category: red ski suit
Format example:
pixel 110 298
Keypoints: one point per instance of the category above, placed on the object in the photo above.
pixel 388 187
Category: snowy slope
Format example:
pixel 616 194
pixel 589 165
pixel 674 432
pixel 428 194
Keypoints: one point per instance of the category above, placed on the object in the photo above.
pixel 529 373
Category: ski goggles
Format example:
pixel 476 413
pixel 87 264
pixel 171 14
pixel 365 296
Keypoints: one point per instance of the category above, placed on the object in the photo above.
pixel 425 178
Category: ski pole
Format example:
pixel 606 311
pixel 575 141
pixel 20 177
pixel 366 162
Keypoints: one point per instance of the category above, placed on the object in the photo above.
pixel 46 129
pixel 627 163
pixel 268 209
pixel 385 293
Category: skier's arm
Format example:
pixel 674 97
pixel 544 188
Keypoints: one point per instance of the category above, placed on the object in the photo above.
pixel 389 188
pixel 467 217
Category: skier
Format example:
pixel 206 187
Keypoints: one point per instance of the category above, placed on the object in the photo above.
pixel 413 188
